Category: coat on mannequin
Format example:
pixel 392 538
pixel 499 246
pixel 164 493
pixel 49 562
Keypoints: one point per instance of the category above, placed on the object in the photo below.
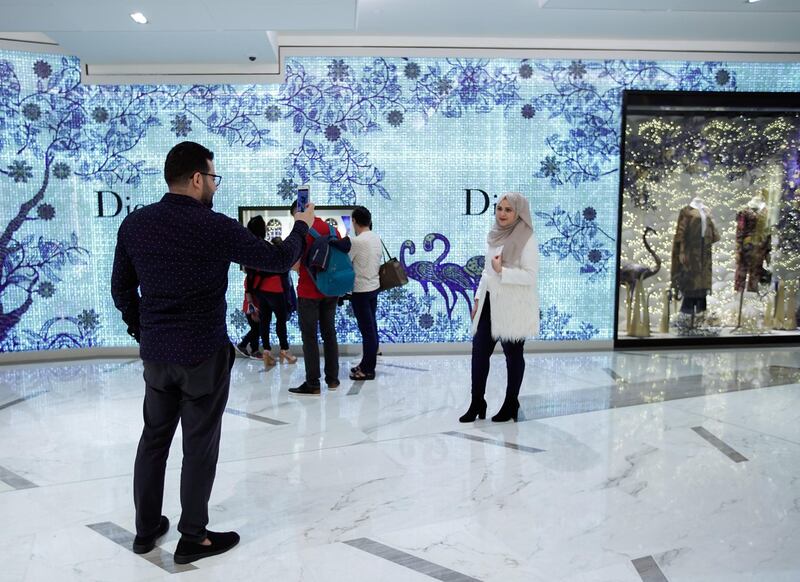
pixel 695 232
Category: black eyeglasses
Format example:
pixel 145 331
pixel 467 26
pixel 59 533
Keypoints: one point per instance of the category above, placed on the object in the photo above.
pixel 217 179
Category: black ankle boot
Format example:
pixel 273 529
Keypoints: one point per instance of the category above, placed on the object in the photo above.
pixel 477 409
pixel 508 411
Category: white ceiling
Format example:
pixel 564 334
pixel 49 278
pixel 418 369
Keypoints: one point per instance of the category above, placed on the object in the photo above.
pixel 191 37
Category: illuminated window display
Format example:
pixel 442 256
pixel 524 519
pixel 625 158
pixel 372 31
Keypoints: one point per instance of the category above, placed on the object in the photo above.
pixel 710 217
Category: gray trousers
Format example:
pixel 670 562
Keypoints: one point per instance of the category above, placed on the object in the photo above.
pixel 313 314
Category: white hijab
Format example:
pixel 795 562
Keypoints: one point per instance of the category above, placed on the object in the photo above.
pixel 515 236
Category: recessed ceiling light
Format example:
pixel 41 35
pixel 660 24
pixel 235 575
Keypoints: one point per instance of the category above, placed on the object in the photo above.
pixel 752 1
pixel 139 18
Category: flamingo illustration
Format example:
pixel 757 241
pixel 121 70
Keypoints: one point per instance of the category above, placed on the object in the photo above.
pixel 474 268
pixel 452 275
pixel 423 272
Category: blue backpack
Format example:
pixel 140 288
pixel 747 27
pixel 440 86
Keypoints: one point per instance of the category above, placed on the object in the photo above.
pixel 330 267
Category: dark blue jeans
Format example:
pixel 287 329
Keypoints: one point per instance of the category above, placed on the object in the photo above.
pixel 483 345
pixel 365 308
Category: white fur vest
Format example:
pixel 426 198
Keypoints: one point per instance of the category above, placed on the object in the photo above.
pixel 514 297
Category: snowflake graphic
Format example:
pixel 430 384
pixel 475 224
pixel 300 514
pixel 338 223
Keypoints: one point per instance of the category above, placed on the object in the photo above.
pixel 338 71
pixel 46 289
pixel 20 170
pixel 595 256
pixel 100 114
pixel 411 71
pixel 42 69
pixel 333 133
pixel 577 70
pixel 287 189
pixel 589 213
pixel 88 319
pixel 443 86
pixel 181 125
pixel 426 321
pixel 31 111
pixel 525 71
pixel 528 111
pixel 46 211
pixel 723 77
pixel 550 167
pixel 395 118
pixel 61 170
pixel 272 113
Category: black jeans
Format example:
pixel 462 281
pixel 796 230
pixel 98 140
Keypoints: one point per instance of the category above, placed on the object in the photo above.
pixel 195 395
pixel 313 314
pixel 365 308
pixel 269 303
pixel 251 337
pixel 483 345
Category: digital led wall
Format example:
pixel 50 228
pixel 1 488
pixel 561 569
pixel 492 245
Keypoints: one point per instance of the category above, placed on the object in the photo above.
pixel 427 144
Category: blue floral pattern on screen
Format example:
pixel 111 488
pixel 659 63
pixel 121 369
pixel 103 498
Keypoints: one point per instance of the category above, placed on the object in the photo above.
pixel 360 131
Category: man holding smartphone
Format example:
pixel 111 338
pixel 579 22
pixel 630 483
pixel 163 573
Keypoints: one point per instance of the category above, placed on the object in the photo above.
pixel 316 311
pixel 169 281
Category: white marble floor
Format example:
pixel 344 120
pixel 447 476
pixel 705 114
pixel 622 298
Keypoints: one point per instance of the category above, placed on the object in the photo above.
pixel 369 483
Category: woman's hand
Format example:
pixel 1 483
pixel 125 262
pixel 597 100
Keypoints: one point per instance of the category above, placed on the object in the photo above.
pixel 474 310
pixel 497 264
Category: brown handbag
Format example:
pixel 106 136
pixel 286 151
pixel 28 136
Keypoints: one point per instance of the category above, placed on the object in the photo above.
pixel 391 272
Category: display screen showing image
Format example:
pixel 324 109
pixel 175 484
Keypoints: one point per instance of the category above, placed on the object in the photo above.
pixel 280 222
pixel 710 229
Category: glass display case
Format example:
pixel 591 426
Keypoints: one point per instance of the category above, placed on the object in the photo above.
pixel 709 226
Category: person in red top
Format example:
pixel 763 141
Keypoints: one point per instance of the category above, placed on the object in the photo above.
pixel 248 347
pixel 264 295
pixel 271 290
pixel 317 312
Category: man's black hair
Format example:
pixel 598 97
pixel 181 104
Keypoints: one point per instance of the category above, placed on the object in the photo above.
pixel 362 216
pixel 184 160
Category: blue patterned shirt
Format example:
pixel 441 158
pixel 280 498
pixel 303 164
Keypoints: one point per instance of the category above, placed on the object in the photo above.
pixel 171 273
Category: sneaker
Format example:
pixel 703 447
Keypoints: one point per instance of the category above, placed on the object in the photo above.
pixel 220 542
pixel 142 545
pixel 256 355
pixel 304 388
pixel 332 384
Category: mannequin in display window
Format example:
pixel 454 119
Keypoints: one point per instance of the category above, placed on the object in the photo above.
pixel 695 232
pixel 752 245
pixel 752 249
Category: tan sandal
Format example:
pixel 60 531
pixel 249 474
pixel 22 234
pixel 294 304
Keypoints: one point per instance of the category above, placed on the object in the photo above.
pixel 287 356
pixel 269 360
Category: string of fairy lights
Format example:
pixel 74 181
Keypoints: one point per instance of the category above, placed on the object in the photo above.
pixel 725 161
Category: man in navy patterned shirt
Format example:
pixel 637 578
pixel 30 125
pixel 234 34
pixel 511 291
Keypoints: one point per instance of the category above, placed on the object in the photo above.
pixel 169 281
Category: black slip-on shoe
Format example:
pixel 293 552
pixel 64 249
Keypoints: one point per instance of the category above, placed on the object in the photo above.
pixel 142 545
pixel 221 542
pixel 304 388
pixel 333 384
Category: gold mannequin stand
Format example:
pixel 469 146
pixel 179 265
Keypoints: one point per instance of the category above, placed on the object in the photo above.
pixel 786 306
pixel 639 313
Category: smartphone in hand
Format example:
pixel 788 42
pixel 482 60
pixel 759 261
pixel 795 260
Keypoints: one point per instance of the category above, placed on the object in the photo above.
pixel 303 196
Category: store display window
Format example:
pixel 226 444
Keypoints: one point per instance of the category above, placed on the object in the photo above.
pixel 709 241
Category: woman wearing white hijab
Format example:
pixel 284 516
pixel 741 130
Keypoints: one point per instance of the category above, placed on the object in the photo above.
pixel 506 304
